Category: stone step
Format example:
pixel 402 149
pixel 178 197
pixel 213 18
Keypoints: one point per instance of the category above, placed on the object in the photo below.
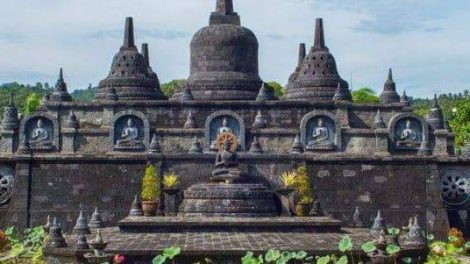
pixel 229 224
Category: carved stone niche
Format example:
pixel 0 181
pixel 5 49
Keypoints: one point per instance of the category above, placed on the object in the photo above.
pixel 40 131
pixel 7 181
pixel 220 121
pixel 321 131
pixel 408 132
pixel 130 131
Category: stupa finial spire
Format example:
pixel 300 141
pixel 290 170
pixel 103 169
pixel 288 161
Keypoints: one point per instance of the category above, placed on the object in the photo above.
pixel 224 6
pixel 61 75
pixel 302 53
pixel 390 75
pixel 129 41
pixel 319 35
pixel 145 53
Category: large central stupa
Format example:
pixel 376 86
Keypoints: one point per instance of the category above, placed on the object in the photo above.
pixel 224 58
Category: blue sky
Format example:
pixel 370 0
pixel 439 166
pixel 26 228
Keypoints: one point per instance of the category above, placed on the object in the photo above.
pixel 426 42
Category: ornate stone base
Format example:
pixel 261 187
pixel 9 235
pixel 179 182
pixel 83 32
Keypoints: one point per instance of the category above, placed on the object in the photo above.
pixel 320 147
pixel 220 199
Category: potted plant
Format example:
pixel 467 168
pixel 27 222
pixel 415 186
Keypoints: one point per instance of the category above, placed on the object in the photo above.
pixel 150 191
pixel 304 188
pixel 170 181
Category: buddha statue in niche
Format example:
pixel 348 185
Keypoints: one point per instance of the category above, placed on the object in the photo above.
pixel 321 137
pixel 409 137
pixel 226 165
pixel 40 138
pixel 129 137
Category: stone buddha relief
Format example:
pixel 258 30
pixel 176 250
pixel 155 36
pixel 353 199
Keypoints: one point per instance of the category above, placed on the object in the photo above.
pixel 128 133
pixel 7 181
pixel 40 134
pixel 408 134
pixel 321 132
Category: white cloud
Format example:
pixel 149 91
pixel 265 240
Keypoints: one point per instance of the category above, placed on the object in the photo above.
pixel 426 42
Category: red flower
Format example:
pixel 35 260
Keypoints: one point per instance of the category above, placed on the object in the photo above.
pixel 119 259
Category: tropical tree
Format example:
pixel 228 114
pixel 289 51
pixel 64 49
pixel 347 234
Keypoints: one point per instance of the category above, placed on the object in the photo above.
pixel 32 103
pixel 365 95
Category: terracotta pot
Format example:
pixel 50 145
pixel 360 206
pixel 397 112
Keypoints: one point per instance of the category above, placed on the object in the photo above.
pixel 302 209
pixel 150 208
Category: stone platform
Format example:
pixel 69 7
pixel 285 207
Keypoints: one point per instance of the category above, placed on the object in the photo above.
pixel 232 200
pixel 230 224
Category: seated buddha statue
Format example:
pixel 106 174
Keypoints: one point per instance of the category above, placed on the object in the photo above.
pixel 40 138
pixel 320 137
pixel 409 137
pixel 226 165
pixel 130 136
pixel 224 128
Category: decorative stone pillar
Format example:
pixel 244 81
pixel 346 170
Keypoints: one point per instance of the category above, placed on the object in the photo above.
pixel 171 201
pixel 18 213
pixel 69 134
pixel 381 142
pixel 440 146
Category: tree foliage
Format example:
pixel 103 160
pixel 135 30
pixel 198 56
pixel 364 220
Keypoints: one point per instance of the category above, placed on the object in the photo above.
pixel 150 184
pixel 365 95
pixel 84 95
pixel 170 88
pixel 32 103
pixel 279 90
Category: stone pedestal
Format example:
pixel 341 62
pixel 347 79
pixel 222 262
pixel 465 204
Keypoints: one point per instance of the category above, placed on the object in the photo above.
pixel 440 146
pixel 9 141
pixel 221 199
pixel 171 202
pixel 68 139
pixel 284 195
pixel 381 142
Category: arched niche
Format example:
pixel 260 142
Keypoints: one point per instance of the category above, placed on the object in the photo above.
pixel 408 131
pixel 326 120
pixel 40 131
pixel 234 122
pixel 123 126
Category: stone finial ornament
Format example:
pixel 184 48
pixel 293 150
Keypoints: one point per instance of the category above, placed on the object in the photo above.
pixel 316 209
pixel 190 121
pixel 415 237
pixel 48 224
pixel 82 243
pixel 136 209
pixel 404 99
pixel 379 121
pixel 56 238
pixel 256 146
pixel 266 93
pixel 301 57
pixel 318 77
pixel 436 117
pixel 297 146
pixel 96 221
pixel 357 219
pixel 72 121
pixel 389 94
pixel 10 116
pixel 342 94
pixel 260 121
pixel 155 146
pixel 378 225
pixel 111 95
pixel 187 94
pixel 81 225
pixel 196 147
pixel 60 92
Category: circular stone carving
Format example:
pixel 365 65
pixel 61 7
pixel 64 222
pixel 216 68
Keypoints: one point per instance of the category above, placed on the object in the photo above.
pixel 222 137
pixel 6 188
pixel 455 187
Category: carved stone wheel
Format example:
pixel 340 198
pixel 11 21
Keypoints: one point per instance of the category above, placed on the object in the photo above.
pixel 227 136
pixel 455 187
pixel 6 188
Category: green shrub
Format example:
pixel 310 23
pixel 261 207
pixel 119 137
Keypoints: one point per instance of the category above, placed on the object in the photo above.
pixel 150 184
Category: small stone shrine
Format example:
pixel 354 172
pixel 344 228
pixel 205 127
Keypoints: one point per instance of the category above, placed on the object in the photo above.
pixel 69 156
